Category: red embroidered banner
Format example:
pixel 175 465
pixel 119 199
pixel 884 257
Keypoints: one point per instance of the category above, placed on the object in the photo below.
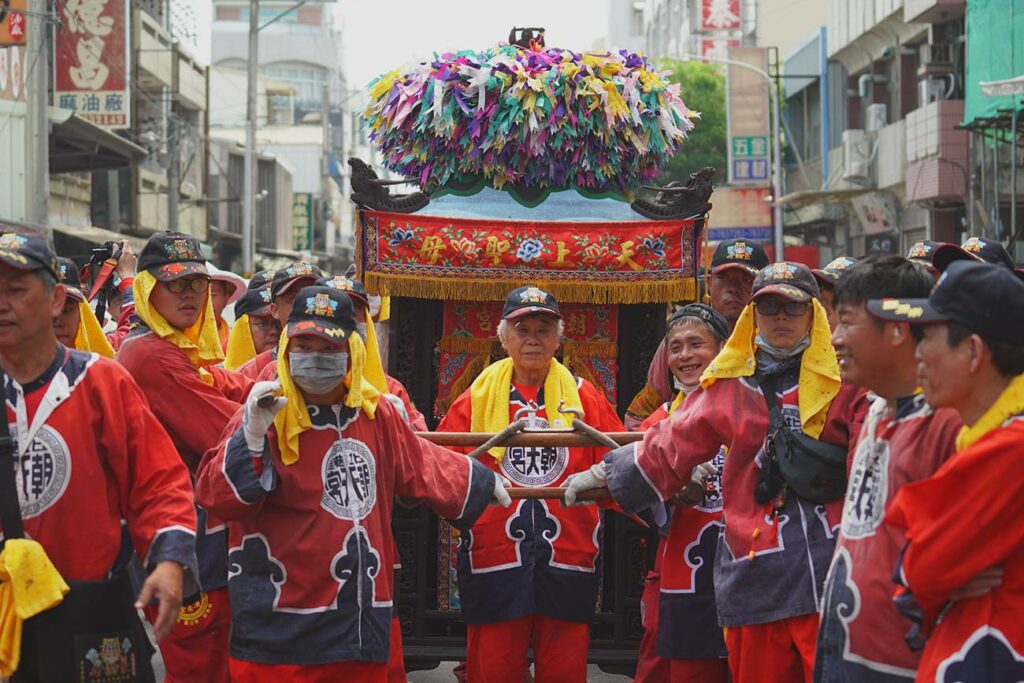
pixel 592 262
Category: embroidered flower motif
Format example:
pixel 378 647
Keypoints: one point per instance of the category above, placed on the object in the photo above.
pixel 655 245
pixel 595 252
pixel 466 247
pixel 400 236
pixel 529 249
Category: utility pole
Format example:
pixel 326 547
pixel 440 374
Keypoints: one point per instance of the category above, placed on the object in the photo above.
pixel 325 189
pixel 173 172
pixel 37 150
pixel 251 112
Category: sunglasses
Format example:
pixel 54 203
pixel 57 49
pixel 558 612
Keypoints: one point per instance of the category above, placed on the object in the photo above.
pixel 794 309
pixel 198 285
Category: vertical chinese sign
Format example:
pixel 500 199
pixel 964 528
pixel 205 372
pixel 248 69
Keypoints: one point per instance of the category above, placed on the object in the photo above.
pixel 302 221
pixel 720 15
pixel 92 61
pixel 747 112
pixel 12 22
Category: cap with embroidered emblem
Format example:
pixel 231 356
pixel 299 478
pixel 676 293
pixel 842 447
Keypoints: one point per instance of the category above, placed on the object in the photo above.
pixel 747 256
pixel 983 297
pixel 354 288
pixel 525 301
pixel 26 252
pixel 67 275
pixel 793 281
pixel 297 274
pixel 830 274
pixel 172 255
pixel 323 312
pixel 973 249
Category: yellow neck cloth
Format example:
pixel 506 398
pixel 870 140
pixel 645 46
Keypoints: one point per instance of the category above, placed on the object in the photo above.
pixel 29 584
pixel 677 401
pixel 294 418
pixel 489 395
pixel 819 369
pixel 1009 403
pixel 373 371
pixel 90 335
pixel 200 342
pixel 241 347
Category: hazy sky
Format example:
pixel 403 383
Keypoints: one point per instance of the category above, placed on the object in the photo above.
pixel 383 34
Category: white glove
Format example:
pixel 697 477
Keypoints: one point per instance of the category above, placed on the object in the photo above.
pixel 501 496
pixel 702 471
pixel 594 478
pixel 258 418
pixel 399 406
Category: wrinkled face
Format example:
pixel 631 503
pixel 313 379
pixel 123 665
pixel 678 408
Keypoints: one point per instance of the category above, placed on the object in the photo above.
pixel 531 341
pixel 66 324
pixel 265 332
pixel 691 347
pixel 858 339
pixel 730 292
pixel 219 293
pixel 782 329
pixel 182 309
pixel 27 310
pixel 940 367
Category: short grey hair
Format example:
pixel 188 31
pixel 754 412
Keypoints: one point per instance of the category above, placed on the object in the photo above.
pixel 503 328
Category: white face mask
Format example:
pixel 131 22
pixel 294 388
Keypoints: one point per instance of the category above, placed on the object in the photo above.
pixel 317 372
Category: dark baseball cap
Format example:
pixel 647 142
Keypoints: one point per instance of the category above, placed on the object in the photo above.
pixel 67 275
pixel 354 288
pixel 26 252
pixel 924 251
pixel 983 297
pixel 715 320
pixel 255 302
pixel 260 279
pixel 830 274
pixel 793 281
pixel 974 249
pixel 297 274
pixel 322 312
pixel 525 301
pixel 172 255
pixel 748 256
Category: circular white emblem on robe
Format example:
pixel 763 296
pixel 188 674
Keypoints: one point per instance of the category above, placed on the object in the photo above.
pixel 535 465
pixel 350 480
pixel 867 491
pixel 42 472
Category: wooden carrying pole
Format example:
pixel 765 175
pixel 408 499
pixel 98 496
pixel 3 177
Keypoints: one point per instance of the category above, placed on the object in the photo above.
pixel 545 438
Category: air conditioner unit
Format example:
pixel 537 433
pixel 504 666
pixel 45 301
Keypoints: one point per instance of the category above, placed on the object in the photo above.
pixel 934 89
pixel 937 54
pixel 876 117
pixel 856 157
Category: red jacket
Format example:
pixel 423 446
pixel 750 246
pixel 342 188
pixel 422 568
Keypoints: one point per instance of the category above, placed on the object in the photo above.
pixel 861 633
pixel 89 455
pixel 254 368
pixel 687 612
pixel 194 414
pixel 791 553
pixel 535 556
pixel 311 545
pixel 963 520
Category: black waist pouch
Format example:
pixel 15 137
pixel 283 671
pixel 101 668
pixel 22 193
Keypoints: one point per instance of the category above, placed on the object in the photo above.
pixel 813 469
pixel 94 635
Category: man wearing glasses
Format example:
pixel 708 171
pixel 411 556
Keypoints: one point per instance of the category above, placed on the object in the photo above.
pixel 173 354
pixel 778 542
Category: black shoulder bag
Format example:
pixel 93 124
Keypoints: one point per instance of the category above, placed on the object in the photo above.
pixel 95 633
pixel 813 469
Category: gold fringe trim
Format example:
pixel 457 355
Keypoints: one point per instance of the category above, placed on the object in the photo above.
pixel 490 290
